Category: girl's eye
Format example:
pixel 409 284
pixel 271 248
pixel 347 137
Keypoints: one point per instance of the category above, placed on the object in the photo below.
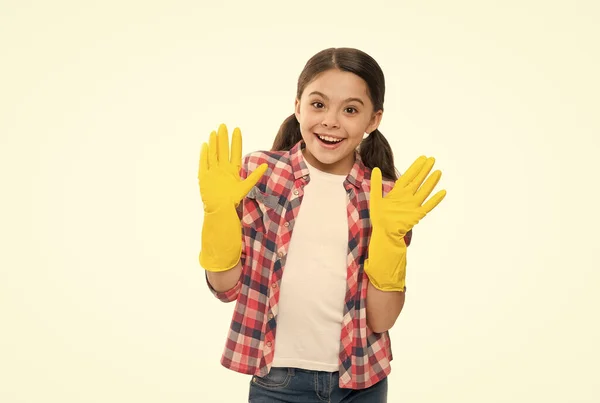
pixel 317 104
pixel 351 110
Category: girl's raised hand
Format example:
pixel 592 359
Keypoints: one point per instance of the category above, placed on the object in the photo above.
pixel 393 216
pixel 221 190
pixel 218 173
pixel 404 206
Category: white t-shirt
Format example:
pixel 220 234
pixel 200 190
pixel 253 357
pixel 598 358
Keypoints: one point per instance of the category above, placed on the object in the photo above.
pixel 313 286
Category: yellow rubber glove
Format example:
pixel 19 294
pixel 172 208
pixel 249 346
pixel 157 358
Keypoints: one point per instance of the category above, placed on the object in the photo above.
pixel 221 190
pixel 393 216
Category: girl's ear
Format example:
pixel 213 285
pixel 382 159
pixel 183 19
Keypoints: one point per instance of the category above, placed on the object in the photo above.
pixel 297 109
pixel 375 120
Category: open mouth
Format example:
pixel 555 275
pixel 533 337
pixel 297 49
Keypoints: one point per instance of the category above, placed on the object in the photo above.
pixel 328 140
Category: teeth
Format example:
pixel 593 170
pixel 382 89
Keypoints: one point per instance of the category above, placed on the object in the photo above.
pixel 329 138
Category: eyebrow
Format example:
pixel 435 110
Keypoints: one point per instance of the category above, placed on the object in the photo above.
pixel 347 100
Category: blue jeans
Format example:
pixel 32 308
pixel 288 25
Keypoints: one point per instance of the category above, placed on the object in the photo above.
pixel 295 385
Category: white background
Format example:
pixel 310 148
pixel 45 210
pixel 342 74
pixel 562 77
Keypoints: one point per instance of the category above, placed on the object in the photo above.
pixel 103 109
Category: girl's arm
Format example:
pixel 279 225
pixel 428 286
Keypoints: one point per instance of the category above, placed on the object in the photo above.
pixel 383 308
pixel 225 280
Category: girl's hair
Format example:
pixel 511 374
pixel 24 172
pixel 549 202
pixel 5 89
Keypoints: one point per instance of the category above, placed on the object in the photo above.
pixel 375 151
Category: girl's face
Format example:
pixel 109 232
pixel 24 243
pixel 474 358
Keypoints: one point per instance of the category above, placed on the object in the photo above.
pixel 335 112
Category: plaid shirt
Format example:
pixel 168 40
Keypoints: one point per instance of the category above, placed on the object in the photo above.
pixel 268 213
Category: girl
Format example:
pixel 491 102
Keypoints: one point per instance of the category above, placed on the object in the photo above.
pixel 310 239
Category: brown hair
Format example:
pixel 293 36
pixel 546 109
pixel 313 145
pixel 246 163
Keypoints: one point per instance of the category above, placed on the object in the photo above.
pixel 375 151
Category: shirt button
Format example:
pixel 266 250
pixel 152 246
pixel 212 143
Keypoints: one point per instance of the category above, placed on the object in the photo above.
pixel 280 254
pixel 269 344
pixel 270 316
pixel 286 224
pixel 274 285
pixel 296 192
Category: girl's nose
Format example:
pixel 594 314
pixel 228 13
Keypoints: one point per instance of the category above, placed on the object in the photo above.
pixel 330 121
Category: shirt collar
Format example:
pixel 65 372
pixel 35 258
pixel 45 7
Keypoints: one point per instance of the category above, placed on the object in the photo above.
pixel 355 176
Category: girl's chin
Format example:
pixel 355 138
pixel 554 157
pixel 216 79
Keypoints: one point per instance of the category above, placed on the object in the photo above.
pixel 326 156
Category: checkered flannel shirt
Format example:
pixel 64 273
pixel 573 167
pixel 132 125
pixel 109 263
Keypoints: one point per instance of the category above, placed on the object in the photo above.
pixel 268 214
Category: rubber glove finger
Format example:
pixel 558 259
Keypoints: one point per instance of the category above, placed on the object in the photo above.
pixel 418 181
pixel 410 174
pixel 223 144
pixel 375 193
pixel 203 166
pixel 213 157
pixel 427 187
pixel 236 149
pixel 434 201
pixel 247 184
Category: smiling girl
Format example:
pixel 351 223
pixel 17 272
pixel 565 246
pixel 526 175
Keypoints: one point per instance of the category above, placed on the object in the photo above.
pixel 310 239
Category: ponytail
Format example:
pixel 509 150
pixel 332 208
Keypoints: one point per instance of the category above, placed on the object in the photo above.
pixel 375 151
pixel 289 134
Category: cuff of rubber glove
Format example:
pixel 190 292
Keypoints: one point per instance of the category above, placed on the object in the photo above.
pixel 400 286
pixel 386 263
pixel 208 262
pixel 221 245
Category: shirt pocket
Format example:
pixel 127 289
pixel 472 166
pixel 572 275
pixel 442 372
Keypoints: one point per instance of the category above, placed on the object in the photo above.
pixel 263 212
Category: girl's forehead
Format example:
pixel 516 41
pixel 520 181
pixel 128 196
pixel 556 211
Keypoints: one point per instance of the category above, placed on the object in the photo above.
pixel 336 83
